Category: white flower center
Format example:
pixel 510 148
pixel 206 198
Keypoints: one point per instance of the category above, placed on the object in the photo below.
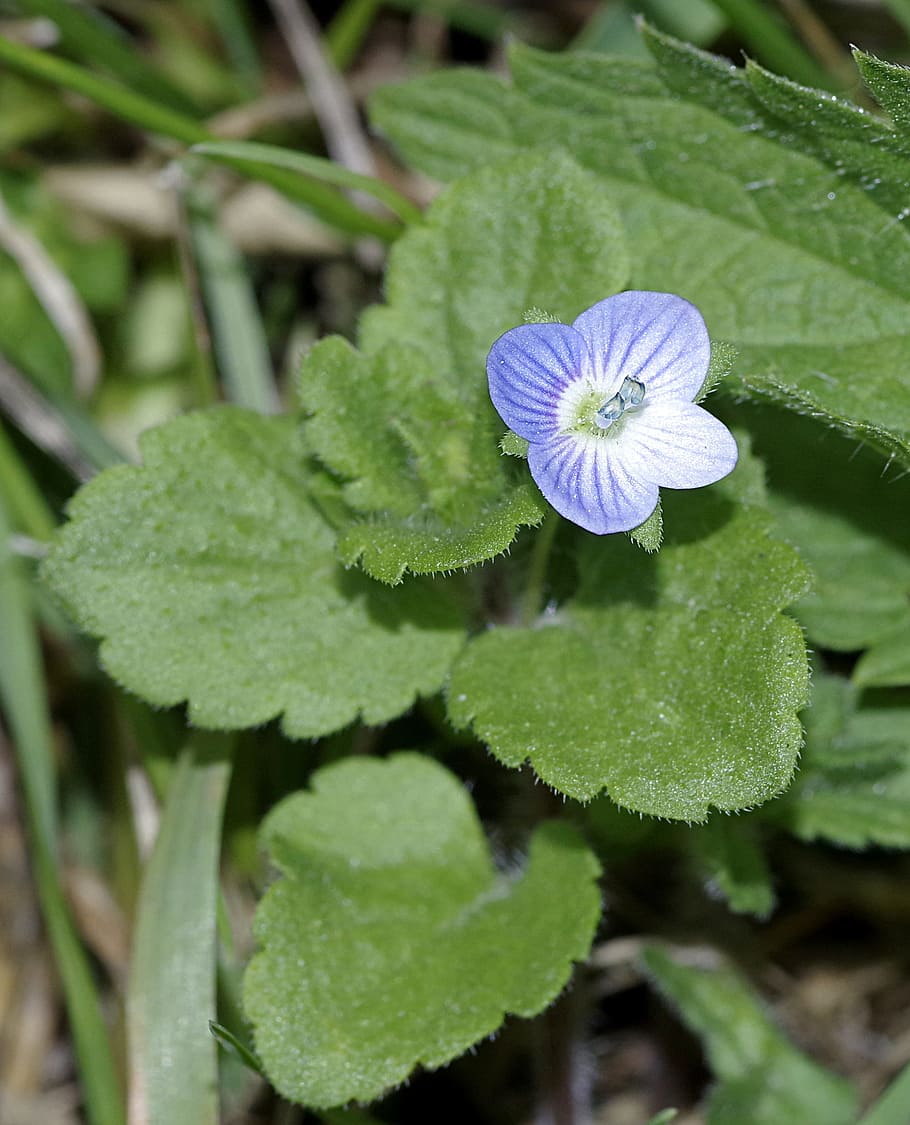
pixel 629 395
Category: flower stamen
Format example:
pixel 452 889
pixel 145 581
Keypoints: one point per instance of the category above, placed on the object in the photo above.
pixel 629 395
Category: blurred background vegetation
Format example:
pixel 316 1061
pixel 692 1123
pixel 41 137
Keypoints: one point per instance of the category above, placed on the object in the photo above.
pixel 138 281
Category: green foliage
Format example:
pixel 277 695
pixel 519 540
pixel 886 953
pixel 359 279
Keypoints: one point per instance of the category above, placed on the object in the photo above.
pixel 843 508
pixel 406 422
pixel 649 535
pixel 661 671
pixel 211 577
pixel 890 84
pixel 96 268
pixel 761 1077
pixel 792 248
pixel 390 941
pixel 853 787
pixel 735 864
pixel 173 1065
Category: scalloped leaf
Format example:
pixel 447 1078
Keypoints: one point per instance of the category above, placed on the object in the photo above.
pixel 796 254
pixel 390 941
pixel 211 577
pixel 672 681
pixel 406 422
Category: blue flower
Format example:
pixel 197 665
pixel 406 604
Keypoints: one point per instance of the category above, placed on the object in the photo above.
pixel 607 407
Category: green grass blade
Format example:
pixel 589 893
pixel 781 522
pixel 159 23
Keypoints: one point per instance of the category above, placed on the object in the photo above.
pixel 171 997
pixel 230 17
pixel 347 31
pixel 271 156
pixel 900 10
pixel 25 705
pixel 329 204
pixel 480 19
pixel 893 1107
pixel 28 508
pixel 773 42
pixel 97 40
pixel 239 339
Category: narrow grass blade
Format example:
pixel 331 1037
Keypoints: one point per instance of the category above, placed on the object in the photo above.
pixel 773 42
pixel 348 29
pixel 28 508
pixel 171 998
pixel 317 167
pixel 100 42
pixel 329 204
pixel 231 19
pixel 25 706
pixel 239 339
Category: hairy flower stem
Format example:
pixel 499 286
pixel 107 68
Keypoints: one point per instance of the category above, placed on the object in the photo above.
pixel 533 600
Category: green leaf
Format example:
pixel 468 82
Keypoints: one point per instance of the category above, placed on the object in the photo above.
pixel 230 1042
pixel 735 864
pixel 762 1078
pixel 428 545
pixel 700 710
pixel 513 445
pixel 842 507
pixel 888 663
pixel 855 144
pixel 798 267
pixel 890 83
pixel 211 577
pixel 853 787
pixel 391 941
pixel 406 421
pixel 648 535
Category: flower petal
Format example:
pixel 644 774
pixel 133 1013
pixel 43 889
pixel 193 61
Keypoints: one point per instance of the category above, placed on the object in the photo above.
pixel 529 369
pixel 585 479
pixel 676 444
pixel 657 338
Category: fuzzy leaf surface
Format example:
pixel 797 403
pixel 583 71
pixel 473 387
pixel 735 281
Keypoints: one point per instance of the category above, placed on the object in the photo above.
pixel 796 256
pixel 761 1077
pixel 210 577
pixel 391 941
pixel 405 421
pixel 671 681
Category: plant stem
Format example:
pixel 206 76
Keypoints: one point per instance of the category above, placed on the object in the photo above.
pixel 533 601
pixel 559 1099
